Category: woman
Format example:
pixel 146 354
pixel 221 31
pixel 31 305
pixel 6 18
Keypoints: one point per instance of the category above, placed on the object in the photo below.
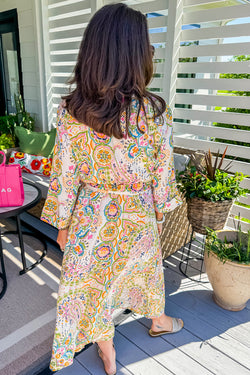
pixel 112 180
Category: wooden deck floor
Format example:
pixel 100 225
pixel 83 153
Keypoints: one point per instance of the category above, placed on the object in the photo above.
pixel 213 341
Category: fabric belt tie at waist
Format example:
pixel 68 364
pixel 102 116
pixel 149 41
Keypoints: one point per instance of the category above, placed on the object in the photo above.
pixel 132 189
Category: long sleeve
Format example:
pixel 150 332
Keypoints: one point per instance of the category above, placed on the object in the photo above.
pixel 165 193
pixel 64 180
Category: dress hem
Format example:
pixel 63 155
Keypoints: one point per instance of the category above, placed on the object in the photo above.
pixel 89 342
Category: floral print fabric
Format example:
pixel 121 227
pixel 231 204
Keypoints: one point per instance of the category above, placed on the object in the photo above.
pixel 106 191
pixel 34 164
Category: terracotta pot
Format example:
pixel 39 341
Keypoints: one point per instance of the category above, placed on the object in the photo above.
pixel 230 280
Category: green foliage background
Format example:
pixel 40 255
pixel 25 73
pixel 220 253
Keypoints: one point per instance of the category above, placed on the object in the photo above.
pixel 235 110
pixel 9 122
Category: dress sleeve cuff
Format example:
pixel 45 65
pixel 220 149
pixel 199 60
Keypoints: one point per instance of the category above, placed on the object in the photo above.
pixel 56 222
pixel 166 207
pixel 62 223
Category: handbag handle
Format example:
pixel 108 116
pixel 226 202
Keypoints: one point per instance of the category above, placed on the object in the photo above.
pixel 4 159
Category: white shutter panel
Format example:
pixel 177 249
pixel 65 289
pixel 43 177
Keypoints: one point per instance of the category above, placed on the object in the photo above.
pixel 67 22
pixel 206 50
pixel 202 50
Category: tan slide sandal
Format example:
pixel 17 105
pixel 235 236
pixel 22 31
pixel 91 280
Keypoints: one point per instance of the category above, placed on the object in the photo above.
pixel 177 326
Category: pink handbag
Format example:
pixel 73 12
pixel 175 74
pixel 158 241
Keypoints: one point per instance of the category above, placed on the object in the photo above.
pixel 11 184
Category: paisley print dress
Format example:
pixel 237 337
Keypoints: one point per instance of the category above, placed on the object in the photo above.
pixel 106 190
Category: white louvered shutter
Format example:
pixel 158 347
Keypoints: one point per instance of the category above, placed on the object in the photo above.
pixel 193 39
pixel 67 22
pixel 199 84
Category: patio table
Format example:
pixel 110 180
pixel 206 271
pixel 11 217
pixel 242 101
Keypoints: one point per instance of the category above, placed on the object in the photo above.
pixel 32 196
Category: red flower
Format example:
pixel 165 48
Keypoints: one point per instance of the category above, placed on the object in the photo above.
pixel 11 160
pixel 35 164
pixel 19 155
pixel 47 167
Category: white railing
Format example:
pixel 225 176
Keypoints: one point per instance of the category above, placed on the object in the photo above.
pixel 193 39
pixel 213 42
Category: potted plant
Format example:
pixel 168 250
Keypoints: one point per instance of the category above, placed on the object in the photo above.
pixel 20 118
pixel 227 262
pixel 8 141
pixel 210 191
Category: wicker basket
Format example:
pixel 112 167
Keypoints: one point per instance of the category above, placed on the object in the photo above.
pixel 175 230
pixel 203 214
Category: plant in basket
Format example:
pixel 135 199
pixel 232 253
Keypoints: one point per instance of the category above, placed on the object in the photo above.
pixel 209 190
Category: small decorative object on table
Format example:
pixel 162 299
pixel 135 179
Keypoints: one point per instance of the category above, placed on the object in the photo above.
pixel 35 164
pixel 227 261
pixel 11 184
pixel 210 191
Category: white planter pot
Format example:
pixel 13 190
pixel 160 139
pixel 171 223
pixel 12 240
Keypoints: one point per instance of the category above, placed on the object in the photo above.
pixel 230 280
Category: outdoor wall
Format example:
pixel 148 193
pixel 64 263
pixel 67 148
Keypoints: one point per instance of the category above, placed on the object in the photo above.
pixel 29 54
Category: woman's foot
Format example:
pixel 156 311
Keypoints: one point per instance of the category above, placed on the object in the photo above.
pixel 107 353
pixel 165 324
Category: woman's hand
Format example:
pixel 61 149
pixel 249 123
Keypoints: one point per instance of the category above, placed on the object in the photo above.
pixel 159 226
pixel 159 216
pixel 62 238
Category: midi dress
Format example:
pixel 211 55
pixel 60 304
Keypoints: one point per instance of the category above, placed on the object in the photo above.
pixel 105 190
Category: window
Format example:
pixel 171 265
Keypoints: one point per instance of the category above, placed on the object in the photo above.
pixel 10 62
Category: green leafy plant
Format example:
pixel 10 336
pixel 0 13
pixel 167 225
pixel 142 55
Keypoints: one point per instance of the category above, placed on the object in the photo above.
pixel 235 251
pixel 6 141
pixel 23 117
pixel 239 58
pixel 9 122
pixel 208 181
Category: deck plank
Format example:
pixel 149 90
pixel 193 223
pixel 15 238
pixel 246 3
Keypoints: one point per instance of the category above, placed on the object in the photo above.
pixel 200 302
pixel 135 359
pixel 173 264
pixel 210 335
pixel 75 368
pixel 162 351
pixel 201 351
pixel 93 363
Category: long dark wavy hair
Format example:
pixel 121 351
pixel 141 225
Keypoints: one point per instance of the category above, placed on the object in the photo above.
pixel 114 65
